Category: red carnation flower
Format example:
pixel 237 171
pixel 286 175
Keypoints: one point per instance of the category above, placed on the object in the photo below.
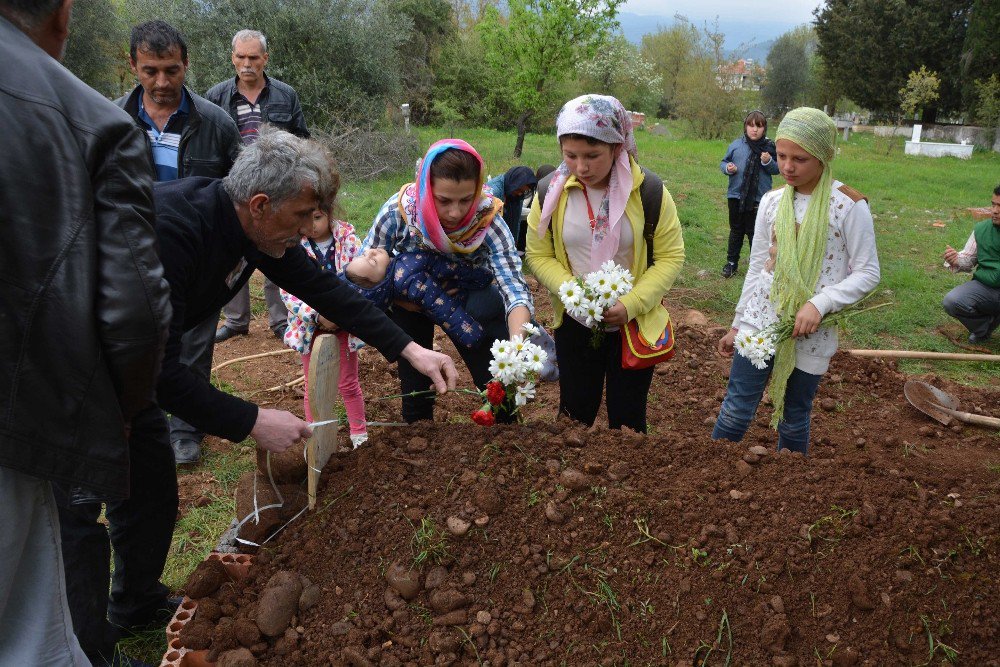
pixel 483 417
pixel 495 393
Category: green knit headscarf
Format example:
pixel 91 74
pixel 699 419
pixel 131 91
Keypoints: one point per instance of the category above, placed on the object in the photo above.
pixel 800 254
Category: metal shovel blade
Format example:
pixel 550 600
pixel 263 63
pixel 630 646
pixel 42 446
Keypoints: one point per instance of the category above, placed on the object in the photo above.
pixel 928 398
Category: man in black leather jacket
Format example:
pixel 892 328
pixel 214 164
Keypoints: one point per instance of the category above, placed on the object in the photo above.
pixel 253 98
pixel 266 99
pixel 187 136
pixel 83 316
pixel 200 138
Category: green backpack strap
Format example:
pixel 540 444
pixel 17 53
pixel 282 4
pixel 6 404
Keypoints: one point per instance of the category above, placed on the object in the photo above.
pixel 650 194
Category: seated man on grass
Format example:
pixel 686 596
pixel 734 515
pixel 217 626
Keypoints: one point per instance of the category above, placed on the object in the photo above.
pixel 976 303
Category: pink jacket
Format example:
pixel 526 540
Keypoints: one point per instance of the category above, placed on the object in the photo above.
pixel 303 321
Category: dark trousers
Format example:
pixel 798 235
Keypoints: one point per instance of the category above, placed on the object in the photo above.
pixel 740 225
pixel 976 305
pixel 477 360
pixel 584 371
pixel 521 240
pixel 197 347
pixel 139 529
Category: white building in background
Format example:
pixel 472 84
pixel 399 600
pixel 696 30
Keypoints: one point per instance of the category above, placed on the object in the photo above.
pixel 744 74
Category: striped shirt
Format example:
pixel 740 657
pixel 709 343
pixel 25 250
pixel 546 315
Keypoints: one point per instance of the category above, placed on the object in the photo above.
pixel 166 143
pixel 248 117
pixel 497 251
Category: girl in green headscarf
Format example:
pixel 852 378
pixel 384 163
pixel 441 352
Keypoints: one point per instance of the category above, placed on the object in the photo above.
pixel 813 254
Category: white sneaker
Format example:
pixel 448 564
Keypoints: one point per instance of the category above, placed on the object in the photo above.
pixel 358 439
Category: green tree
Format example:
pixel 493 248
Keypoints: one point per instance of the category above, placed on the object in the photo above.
pixel 671 51
pixel 702 100
pixel 617 68
pixel 981 51
pixel 97 46
pixel 532 52
pixel 822 90
pixel 788 74
pixel 433 25
pixel 920 91
pixel 870 46
pixel 988 103
pixel 462 92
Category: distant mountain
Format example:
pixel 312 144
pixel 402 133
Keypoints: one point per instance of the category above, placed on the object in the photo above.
pixel 758 52
pixel 744 39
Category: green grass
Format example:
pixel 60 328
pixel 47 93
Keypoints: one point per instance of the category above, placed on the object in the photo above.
pixel 907 194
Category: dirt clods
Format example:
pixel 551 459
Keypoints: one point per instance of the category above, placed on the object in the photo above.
pixel 278 603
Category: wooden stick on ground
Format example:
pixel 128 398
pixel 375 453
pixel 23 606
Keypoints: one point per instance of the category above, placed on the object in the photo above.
pixel 278 387
pixel 273 353
pixel 293 383
pixel 940 356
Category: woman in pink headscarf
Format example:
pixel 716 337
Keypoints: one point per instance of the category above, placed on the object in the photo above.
pixel 447 211
pixel 593 212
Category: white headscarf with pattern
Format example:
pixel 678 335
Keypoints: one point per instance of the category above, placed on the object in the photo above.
pixel 604 118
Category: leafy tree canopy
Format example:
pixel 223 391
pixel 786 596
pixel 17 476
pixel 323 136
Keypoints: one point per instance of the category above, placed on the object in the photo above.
pixel 870 46
pixel 533 50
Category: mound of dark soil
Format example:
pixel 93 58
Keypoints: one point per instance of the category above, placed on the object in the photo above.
pixel 548 543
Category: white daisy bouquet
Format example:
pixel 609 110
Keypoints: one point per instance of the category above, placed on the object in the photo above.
pixel 515 367
pixel 758 347
pixel 587 298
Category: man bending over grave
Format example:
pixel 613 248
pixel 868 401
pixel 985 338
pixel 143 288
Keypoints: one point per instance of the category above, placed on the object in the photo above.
pixel 212 235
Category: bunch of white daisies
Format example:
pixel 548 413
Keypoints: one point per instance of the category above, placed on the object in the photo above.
pixel 587 298
pixel 757 347
pixel 516 364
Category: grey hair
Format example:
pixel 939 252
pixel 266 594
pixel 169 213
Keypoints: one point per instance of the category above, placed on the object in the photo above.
pixel 279 164
pixel 28 14
pixel 244 35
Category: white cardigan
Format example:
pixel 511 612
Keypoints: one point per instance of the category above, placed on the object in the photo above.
pixel 850 272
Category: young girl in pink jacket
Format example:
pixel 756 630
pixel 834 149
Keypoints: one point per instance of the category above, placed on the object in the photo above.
pixel 332 244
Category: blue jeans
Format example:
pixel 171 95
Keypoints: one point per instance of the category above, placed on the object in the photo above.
pixel 746 387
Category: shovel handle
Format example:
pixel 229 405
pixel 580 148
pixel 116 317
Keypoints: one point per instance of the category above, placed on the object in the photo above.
pixel 970 418
pixel 913 354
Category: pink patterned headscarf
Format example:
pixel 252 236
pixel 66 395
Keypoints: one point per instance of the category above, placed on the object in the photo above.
pixel 416 201
pixel 604 118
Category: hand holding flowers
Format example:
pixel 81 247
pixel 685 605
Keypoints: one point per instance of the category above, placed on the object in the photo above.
pixel 758 347
pixel 594 298
pixel 515 367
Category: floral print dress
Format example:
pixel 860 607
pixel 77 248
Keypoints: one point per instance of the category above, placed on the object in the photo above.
pixel 303 321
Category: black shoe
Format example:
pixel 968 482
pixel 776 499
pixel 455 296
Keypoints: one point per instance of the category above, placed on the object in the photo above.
pixel 224 333
pixel 974 339
pixel 728 270
pixel 186 450
pixel 279 331
pixel 154 621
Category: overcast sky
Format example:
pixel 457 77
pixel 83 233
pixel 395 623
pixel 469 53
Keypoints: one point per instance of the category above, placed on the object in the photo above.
pixel 783 11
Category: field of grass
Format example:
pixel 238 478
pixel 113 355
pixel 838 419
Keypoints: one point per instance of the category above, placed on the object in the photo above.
pixel 907 195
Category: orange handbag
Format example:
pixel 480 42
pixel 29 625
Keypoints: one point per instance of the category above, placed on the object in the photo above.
pixel 638 353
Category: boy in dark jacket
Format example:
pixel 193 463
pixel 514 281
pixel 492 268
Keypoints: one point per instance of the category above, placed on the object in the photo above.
pixel 423 279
